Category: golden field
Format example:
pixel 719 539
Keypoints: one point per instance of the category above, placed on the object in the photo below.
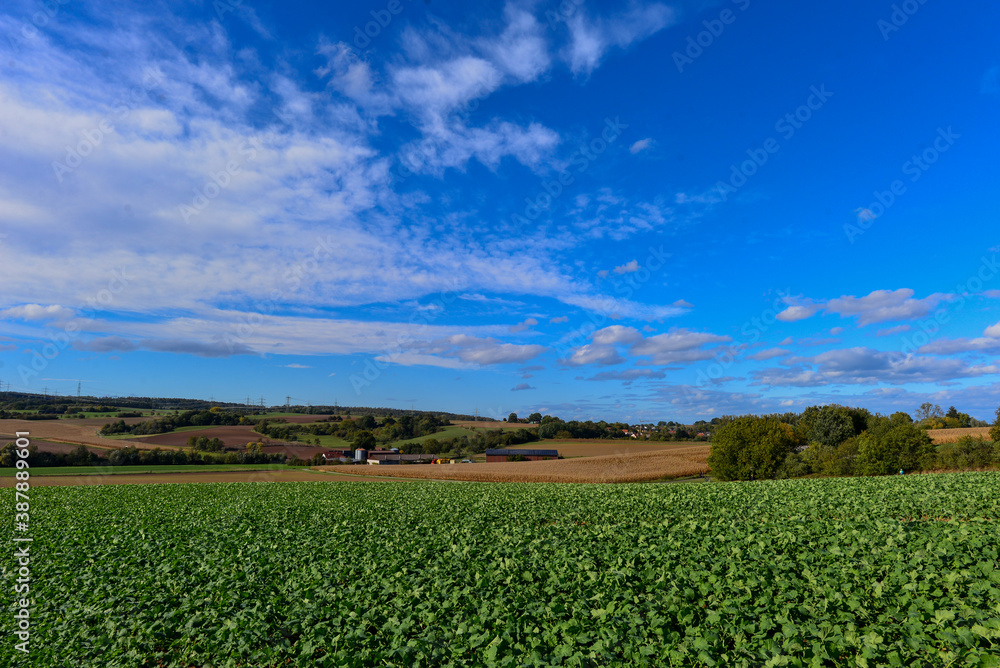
pixel 952 435
pixel 627 467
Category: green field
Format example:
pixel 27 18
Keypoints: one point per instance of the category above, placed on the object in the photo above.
pixel 445 433
pixel 894 571
pixel 120 470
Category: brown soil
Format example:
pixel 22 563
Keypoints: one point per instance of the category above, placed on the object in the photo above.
pixel 180 478
pixel 231 436
pixel 631 467
pixel 66 431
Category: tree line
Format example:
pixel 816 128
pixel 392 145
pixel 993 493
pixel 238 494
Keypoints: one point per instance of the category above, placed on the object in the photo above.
pixel 836 440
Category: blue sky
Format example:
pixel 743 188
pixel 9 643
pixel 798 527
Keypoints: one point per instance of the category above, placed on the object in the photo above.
pixel 643 211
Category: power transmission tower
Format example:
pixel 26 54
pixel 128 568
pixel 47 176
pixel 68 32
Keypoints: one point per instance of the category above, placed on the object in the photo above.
pixel 79 384
pixel 288 402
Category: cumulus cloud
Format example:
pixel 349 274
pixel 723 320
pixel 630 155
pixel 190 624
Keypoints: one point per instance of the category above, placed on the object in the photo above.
pixel 520 387
pixel 875 307
pixel 616 334
pixel 477 351
pixel 628 268
pixel 861 365
pixel 594 354
pixel 674 347
pixel 559 319
pixel 988 343
pixel 522 326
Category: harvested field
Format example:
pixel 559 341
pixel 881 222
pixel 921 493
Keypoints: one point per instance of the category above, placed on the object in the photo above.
pixel 630 467
pixel 231 436
pixel 66 431
pixel 582 447
pixel 296 475
pixel 952 435
pixel 60 448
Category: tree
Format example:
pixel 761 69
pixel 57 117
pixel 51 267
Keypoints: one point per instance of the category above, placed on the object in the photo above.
pixel 928 410
pixel 364 440
pixel 995 430
pixel 828 425
pixel 535 418
pixel 751 447
pixel 888 447
pixel 512 417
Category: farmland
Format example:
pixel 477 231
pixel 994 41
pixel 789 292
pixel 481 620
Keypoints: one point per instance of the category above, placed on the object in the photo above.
pixel 874 571
pixel 952 435
pixel 622 468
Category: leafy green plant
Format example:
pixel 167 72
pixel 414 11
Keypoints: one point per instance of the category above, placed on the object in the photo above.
pixel 826 572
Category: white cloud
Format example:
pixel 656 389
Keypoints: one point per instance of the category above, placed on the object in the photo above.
pixel 590 39
pixel 884 306
pixel 798 312
pixel 522 326
pixel 37 312
pixel 640 145
pixel 866 366
pixel 616 334
pixel 296 366
pixel 628 268
pixel 878 306
pixel 594 354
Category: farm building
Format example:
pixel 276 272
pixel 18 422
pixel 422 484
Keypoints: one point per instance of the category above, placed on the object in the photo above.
pixel 336 455
pixel 390 457
pixel 531 455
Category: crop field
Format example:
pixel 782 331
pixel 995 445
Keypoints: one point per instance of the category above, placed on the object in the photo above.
pixel 633 467
pixel 582 447
pixel 841 572
pixel 63 431
pixel 952 435
pixel 128 470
